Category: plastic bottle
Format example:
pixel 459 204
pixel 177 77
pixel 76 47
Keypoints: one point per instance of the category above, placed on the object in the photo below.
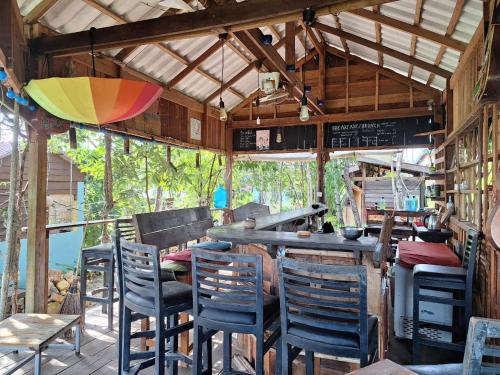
pixel 381 205
pixel 414 204
pixel 407 203
pixel 220 197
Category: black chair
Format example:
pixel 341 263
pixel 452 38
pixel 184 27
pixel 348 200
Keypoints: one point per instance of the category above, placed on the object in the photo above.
pixel 324 310
pixel 228 297
pixel 98 258
pixel 125 229
pixel 455 280
pixel 480 345
pixel 145 295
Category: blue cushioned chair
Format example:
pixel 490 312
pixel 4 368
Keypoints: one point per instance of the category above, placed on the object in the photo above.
pixel 324 310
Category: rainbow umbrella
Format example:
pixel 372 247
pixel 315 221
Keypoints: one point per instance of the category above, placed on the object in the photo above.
pixel 93 100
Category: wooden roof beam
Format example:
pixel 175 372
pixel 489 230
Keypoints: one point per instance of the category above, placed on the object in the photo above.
pixel 444 40
pixel 232 17
pixel 232 81
pixel 416 21
pixel 388 51
pixel 196 63
pixel 337 24
pixel 378 37
pixel 384 71
pixel 38 11
pixel 457 12
pixel 290 43
pixel 312 37
pixel 272 55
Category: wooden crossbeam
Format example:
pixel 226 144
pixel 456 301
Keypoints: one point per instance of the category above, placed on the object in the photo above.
pixel 384 71
pixel 38 11
pixel 272 55
pixel 232 81
pixel 386 50
pixel 290 43
pixel 195 63
pixel 444 40
pixel 457 12
pixel 233 16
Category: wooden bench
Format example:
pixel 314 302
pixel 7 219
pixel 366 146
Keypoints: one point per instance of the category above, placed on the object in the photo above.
pixel 172 228
pixel 36 332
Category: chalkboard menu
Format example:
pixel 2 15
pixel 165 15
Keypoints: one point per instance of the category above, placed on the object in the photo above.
pixel 297 137
pixel 396 132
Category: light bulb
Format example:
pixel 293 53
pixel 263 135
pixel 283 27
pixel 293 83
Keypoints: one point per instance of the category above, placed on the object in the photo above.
pixel 304 111
pixel 278 137
pixel 222 111
pixel 258 120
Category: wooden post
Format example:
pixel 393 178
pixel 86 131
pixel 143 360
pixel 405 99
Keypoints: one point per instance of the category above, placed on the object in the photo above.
pixel 228 176
pixel 38 249
pixel 322 75
pixel 320 161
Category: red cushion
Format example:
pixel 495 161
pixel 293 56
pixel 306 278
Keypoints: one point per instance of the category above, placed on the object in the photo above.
pixel 412 253
pixel 180 256
pixel 419 224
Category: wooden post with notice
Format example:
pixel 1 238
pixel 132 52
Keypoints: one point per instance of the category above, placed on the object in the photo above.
pixel 38 249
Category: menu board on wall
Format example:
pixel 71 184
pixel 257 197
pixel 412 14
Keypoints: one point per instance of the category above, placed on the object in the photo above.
pixel 296 137
pixel 396 132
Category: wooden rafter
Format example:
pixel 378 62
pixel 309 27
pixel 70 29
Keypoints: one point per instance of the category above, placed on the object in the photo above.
pixel 312 37
pixel 232 16
pixel 378 36
pixel 231 81
pixel 386 50
pixel 290 43
pixel 38 11
pixel 337 24
pixel 416 21
pixel 383 71
pixel 195 63
pixel 414 29
pixel 271 54
pixel 457 12
pixel 160 46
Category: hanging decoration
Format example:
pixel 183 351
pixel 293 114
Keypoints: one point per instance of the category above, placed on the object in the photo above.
pixel 72 138
pixel 93 100
pixel 126 146
pixel 222 107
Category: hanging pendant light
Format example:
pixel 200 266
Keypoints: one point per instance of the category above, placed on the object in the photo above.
pixel 222 107
pixel 257 101
pixel 308 17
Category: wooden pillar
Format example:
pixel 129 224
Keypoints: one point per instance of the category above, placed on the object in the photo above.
pixel 38 250
pixel 322 75
pixel 228 176
pixel 320 162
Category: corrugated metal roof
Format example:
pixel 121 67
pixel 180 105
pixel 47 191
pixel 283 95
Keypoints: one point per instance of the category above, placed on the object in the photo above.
pixel 75 15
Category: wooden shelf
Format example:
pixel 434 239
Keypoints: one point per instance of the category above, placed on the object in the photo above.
pixel 451 191
pixel 452 170
pixel 440 131
pixel 436 198
pixel 469 164
pixel 435 177
pixel 469 191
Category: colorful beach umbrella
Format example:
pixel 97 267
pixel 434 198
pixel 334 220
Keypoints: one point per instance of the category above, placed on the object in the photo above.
pixel 93 100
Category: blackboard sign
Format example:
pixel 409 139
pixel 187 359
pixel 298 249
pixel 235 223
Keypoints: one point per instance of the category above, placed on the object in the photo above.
pixel 297 137
pixel 396 132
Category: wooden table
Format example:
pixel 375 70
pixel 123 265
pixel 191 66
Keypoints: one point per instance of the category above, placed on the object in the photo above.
pixel 36 332
pixel 385 367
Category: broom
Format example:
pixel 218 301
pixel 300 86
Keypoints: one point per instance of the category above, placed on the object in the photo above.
pixel 71 304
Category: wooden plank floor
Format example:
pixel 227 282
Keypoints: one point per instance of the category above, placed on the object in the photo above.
pixel 98 352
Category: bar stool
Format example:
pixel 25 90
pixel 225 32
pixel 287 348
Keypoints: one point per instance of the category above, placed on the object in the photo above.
pixel 455 280
pixel 324 310
pixel 228 297
pixel 145 295
pixel 100 259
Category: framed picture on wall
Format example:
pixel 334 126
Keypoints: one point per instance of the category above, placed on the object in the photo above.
pixel 195 129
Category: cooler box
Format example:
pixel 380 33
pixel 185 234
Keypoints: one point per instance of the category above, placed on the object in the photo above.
pixel 410 254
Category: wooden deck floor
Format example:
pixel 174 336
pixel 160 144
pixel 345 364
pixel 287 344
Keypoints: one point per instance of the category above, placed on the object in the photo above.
pixel 98 353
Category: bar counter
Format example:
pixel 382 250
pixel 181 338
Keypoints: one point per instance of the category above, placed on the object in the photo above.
pixel 268 240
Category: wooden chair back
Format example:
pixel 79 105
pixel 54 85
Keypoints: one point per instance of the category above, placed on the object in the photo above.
pixel 479 345
pixel 140 266
pixel 250 210
pixel 165 229
pixel 229 282
pixel 329 298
